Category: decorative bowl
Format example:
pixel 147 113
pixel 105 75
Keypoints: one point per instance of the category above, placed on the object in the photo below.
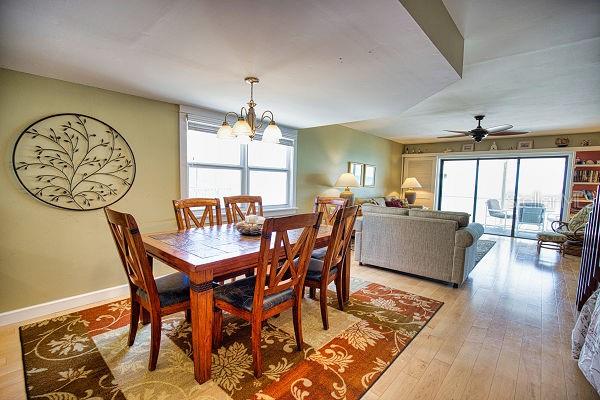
pixel 249 229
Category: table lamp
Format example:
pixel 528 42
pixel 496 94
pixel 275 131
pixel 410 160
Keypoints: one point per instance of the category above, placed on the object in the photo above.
pixel 410 194
pixel 347 180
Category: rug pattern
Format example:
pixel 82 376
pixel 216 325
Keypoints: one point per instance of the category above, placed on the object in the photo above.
pixel 84 355
pixel 483 247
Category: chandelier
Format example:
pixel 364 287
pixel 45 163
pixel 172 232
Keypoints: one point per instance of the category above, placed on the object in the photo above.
pixel 244 129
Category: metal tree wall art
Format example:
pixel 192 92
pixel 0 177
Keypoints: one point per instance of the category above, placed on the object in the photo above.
pixel 74 161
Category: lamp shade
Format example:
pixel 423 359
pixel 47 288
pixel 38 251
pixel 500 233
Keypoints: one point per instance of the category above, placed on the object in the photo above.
pixel 346 180
pixel 411 183
pixel 272 133
pixel 241 128
pixel 225 131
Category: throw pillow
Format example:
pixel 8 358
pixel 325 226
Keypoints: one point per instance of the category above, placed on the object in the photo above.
pixel 394 203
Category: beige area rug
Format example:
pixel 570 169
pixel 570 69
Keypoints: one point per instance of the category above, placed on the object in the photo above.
pixel 84 355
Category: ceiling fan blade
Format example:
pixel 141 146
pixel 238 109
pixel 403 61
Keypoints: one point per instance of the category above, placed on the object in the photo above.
pixel 498 128
pixel 509 133
pixel 453 136
pixel 468 133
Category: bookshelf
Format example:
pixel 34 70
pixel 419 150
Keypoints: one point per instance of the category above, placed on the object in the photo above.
pixel 586 178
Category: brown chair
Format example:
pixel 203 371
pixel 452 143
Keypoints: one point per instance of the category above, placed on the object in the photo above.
pixel 331 266
pixel 186 218
pixel 278 283
pixel 234 212
pixel 154 297
pixel 329 206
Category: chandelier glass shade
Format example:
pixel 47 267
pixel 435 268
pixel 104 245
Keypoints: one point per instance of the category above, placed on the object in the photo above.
pixel 245 127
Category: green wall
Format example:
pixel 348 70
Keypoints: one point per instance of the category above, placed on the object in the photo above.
pixel 324 153
pixel 539 142
pixel 48 253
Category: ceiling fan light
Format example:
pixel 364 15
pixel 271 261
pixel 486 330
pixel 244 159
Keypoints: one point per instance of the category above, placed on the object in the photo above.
pixel 225 131
pixel 241 128
pixel 272 133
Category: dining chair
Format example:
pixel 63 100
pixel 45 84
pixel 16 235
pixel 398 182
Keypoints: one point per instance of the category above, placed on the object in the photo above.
pixel 157 297
pixel 321 273
pixel 329 206
pixel 253 206
pixel 278 283
pixel 186 218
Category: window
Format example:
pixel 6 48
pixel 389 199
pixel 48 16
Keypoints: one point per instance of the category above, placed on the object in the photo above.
pixel 216 168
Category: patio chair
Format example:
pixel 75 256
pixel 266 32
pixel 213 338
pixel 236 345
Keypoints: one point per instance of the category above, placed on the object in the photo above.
pixel 531 213
pixel 493 209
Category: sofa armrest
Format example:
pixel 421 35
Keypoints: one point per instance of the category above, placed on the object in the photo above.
pixel 465 251
pixel 467 236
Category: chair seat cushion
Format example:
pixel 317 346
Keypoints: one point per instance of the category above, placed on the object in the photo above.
pixel 548 236
pixel 315 270
pixel 172 289
pixel 319 254
pixel 240 294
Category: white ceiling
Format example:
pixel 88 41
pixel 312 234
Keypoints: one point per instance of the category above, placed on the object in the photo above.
pixel 320 62
pixel 534 64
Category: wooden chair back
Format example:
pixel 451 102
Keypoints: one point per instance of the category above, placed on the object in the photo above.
pixel 130 247
pixel 234 212
pixel 341 236
pixel 329 206
pixel 277 268
pixel 186 218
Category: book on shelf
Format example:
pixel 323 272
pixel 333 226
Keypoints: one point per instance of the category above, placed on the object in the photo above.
pixel 585 175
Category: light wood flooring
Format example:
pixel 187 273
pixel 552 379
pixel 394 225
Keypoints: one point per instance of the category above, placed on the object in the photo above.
pixel 505 334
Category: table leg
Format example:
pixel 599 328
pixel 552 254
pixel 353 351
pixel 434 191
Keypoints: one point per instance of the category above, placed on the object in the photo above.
pixel 201 304
pixel 346 275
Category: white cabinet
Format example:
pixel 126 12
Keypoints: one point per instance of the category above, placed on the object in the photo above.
pixel 424 168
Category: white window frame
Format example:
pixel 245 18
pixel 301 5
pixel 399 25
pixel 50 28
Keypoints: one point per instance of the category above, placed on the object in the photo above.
pixel 216 118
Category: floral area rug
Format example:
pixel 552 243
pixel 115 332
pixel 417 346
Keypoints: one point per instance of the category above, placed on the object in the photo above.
pixel 84 355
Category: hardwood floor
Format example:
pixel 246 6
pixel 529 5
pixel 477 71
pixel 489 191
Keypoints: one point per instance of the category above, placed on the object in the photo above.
pixel 505 334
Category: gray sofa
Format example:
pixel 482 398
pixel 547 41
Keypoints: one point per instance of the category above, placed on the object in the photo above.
pixel 436 244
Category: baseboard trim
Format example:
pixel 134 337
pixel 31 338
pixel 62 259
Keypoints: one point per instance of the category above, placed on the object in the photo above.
pixel 39 310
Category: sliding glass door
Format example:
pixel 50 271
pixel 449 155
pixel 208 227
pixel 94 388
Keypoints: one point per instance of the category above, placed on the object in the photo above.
pixel 495 195
pixel 458 180
pixel 512 196
pixel 540 194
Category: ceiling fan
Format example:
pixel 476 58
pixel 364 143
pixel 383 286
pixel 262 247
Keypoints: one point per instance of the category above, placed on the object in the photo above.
pixel 479 133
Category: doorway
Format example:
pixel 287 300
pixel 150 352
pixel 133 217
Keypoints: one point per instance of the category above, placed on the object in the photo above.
pixel 510 196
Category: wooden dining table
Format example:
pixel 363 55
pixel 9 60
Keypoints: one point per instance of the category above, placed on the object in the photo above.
pixel 207 253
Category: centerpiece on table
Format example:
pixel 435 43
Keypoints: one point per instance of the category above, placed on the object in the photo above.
pixel 251 226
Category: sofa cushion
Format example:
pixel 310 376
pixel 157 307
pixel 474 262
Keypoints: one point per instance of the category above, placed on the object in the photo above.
pixel 380 201
pixel 580 219
pixel 460 217
pixel 549 236
pixel 373 209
